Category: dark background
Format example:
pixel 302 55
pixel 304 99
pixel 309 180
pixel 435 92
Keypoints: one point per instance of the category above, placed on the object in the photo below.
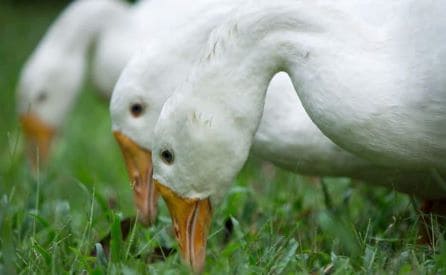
pixel 40 2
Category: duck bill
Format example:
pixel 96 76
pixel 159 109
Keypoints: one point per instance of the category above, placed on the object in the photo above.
pixel 191 220
pixel 38 136
pixel 139 167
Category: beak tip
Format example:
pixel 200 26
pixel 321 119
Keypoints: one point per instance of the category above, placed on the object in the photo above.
pixel 198 267
pixel 191 219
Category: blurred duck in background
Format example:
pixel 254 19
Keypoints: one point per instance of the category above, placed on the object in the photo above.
pixel 53 75
pixel 371 75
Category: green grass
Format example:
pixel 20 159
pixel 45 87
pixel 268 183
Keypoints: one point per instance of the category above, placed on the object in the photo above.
pixel 282 222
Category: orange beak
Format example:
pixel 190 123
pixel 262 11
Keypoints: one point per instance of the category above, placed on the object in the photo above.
pixel 38 137
pixel 139 168
pixel 191 220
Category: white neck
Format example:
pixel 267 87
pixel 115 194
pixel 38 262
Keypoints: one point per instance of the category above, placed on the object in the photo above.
pixel 78 26
pixel 57 66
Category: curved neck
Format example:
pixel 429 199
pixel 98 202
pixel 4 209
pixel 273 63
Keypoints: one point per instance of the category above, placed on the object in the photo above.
pixel 245 53
pixel 80 23
pixel 312 42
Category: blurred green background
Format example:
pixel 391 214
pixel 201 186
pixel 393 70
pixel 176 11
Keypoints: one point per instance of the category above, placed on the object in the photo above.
pixel 283 222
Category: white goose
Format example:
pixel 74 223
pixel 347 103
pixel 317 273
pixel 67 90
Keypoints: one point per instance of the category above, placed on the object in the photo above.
pixel 371 75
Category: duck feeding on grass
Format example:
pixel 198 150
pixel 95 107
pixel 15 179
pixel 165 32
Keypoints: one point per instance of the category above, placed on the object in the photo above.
pixel 371 75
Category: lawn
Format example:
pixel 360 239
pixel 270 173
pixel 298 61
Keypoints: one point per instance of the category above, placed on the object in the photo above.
pixel 282 222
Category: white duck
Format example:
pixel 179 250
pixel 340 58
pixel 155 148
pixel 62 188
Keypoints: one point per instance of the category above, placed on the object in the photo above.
pixel 53 74
pixel 371 75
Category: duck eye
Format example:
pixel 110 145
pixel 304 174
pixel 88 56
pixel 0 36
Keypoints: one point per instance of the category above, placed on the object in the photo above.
pixel 167 156
pixel 41 97
pixel 136 109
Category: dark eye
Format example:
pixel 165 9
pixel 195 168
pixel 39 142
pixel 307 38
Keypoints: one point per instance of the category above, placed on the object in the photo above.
pixel 41 97
pixel 167 156
pixel 136 109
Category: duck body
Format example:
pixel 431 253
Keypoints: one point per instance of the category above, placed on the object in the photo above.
pixel 287 137
pixel 398 116
pixel 284 119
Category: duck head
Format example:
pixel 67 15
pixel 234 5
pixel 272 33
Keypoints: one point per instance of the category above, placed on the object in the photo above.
pixel 48 85
pixel 196 155
pixel 135 105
